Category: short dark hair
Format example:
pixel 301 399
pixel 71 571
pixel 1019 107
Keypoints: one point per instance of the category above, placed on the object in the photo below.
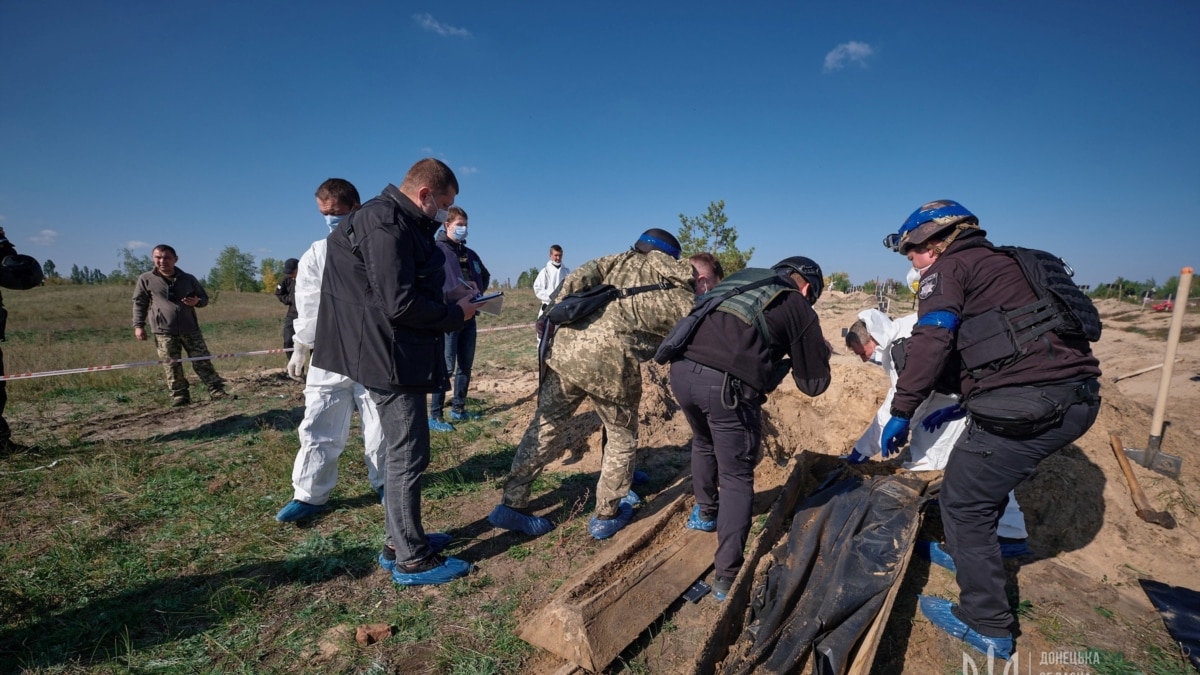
pixel 555 248
pixel 432 173
pixel 166 248
pixel 339 190
pixel 710 260
pixel 456 212
pixel 858 334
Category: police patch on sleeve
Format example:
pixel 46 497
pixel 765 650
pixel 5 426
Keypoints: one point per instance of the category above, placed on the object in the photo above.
pixel 929 286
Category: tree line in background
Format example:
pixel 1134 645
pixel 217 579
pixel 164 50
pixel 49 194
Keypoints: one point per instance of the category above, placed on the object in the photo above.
pixel 710 231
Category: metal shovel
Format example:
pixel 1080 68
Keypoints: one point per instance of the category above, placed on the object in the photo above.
pixel 1140 502
pixel 1152 458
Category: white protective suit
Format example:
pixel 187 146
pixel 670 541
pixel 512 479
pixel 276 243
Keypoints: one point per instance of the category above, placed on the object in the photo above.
pixel 930 451
pixel 329 401
pixel 547 281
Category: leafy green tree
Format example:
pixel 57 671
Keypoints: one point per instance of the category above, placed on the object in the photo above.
pixel 1169 289
pixel 712 232
pixel 526 279
pixel 133 266
pixel 234 271
pixel 838 281
pixel 49 270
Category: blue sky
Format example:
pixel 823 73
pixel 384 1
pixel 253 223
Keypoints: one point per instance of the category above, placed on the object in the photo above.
pixel 1064 125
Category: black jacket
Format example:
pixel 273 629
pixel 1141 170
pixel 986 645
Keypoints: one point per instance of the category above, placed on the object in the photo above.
pixel 383 316
pixel 286 292
pixel 967 280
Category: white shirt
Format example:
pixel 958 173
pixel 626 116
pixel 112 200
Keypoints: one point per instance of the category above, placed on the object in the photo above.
pixel 548 281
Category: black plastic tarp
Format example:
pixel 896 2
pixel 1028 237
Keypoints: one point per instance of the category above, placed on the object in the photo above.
pixel 833 572
pixel 1180 610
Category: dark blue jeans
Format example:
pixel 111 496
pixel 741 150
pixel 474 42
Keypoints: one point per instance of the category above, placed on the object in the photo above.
pixel 406 443
pixel 460 352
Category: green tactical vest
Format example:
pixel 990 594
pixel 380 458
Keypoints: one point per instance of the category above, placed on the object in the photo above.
pixel 749 305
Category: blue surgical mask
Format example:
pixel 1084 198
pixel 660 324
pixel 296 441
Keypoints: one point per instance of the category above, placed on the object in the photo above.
pixel 332 221
pixel 460 233
pixel 440 215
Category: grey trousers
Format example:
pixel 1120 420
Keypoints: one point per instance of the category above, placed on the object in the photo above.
pixel 406 456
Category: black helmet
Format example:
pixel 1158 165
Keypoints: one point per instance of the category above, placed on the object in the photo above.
pixel 20 272
pixel 655 239
pixel 807 268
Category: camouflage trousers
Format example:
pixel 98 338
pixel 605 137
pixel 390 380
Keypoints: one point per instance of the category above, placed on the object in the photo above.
pixel 557 403
pixel 172 347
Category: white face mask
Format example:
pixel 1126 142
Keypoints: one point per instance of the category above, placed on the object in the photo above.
pixel 332 221
pixel 913 278
pixel 459 233
pixel 439 215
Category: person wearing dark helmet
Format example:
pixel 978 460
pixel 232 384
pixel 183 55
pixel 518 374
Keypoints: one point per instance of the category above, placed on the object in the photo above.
pixel 599 359
pixel 968 289
pixel 740 351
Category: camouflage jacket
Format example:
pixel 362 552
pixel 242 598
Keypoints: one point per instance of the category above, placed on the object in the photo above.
pixel 602 353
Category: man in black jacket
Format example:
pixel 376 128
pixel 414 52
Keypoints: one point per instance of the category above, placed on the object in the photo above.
pixel 967 289
pixel 286 292
pixel 382 323
pixel 19 272
pixel 738 354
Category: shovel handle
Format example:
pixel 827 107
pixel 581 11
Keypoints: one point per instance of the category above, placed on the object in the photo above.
pixel 1135 490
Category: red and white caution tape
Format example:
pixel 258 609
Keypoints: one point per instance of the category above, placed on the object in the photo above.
pixel 163 362
pixel 137 364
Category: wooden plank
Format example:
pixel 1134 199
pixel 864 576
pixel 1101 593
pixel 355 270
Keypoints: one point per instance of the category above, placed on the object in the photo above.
pixel 593 617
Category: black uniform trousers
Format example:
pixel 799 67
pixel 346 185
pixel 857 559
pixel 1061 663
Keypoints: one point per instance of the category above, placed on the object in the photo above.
pixel 982 470
pixel 726 436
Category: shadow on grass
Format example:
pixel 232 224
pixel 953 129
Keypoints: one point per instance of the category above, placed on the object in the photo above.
pixel 279 420
pixel 166 611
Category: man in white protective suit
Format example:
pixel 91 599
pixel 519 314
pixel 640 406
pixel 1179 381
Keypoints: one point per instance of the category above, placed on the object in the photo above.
pixel 878 339
pixel 329 398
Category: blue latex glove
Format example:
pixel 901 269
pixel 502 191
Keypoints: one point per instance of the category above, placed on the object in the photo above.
pixel 895 434
pixel 855 458
pixel 941 416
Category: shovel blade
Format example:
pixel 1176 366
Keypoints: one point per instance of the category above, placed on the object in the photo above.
pixel 1168 465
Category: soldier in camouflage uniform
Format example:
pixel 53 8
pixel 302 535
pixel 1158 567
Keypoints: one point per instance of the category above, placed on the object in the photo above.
pixel 599 358
pixel 168 297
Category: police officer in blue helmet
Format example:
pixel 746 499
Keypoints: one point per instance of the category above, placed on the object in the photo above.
pixel 970 296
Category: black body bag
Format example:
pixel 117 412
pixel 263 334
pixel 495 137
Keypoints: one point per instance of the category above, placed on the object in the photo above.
pixel 1016 412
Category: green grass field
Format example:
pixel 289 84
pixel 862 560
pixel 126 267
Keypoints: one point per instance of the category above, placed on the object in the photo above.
pixel 141 538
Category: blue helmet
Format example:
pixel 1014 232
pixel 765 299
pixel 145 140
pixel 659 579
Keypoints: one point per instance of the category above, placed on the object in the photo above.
pixel 928 221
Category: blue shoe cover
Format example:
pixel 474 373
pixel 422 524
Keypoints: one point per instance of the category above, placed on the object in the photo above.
pixel 1015 549
pixel 934 553
pixel 507 518
pixel 463 416
pixel 938 612
pixel 439 425
pixel 298 510
pixel 631 499
pixel 449 570
pixel 640 477
pixel 603 529
pixel 436 540
pixel 696 522
pixel 721 588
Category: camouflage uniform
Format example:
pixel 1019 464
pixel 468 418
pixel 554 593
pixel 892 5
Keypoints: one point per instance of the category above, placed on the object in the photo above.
pixel 172 347
pixel 600 358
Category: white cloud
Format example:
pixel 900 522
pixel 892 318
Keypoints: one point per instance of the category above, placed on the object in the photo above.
pixel 427 22
pixel 135 244
pixel 44 238
pixel 467 170
pixel 852 52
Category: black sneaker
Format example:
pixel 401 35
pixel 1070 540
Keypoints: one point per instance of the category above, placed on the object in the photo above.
pixel 180 401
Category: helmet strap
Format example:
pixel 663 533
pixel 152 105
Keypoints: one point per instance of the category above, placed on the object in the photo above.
pixel 958 229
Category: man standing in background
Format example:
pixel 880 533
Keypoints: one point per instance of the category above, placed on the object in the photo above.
pixel 170 297
pixel 285 290
pixel 19 272
pixel 550 277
